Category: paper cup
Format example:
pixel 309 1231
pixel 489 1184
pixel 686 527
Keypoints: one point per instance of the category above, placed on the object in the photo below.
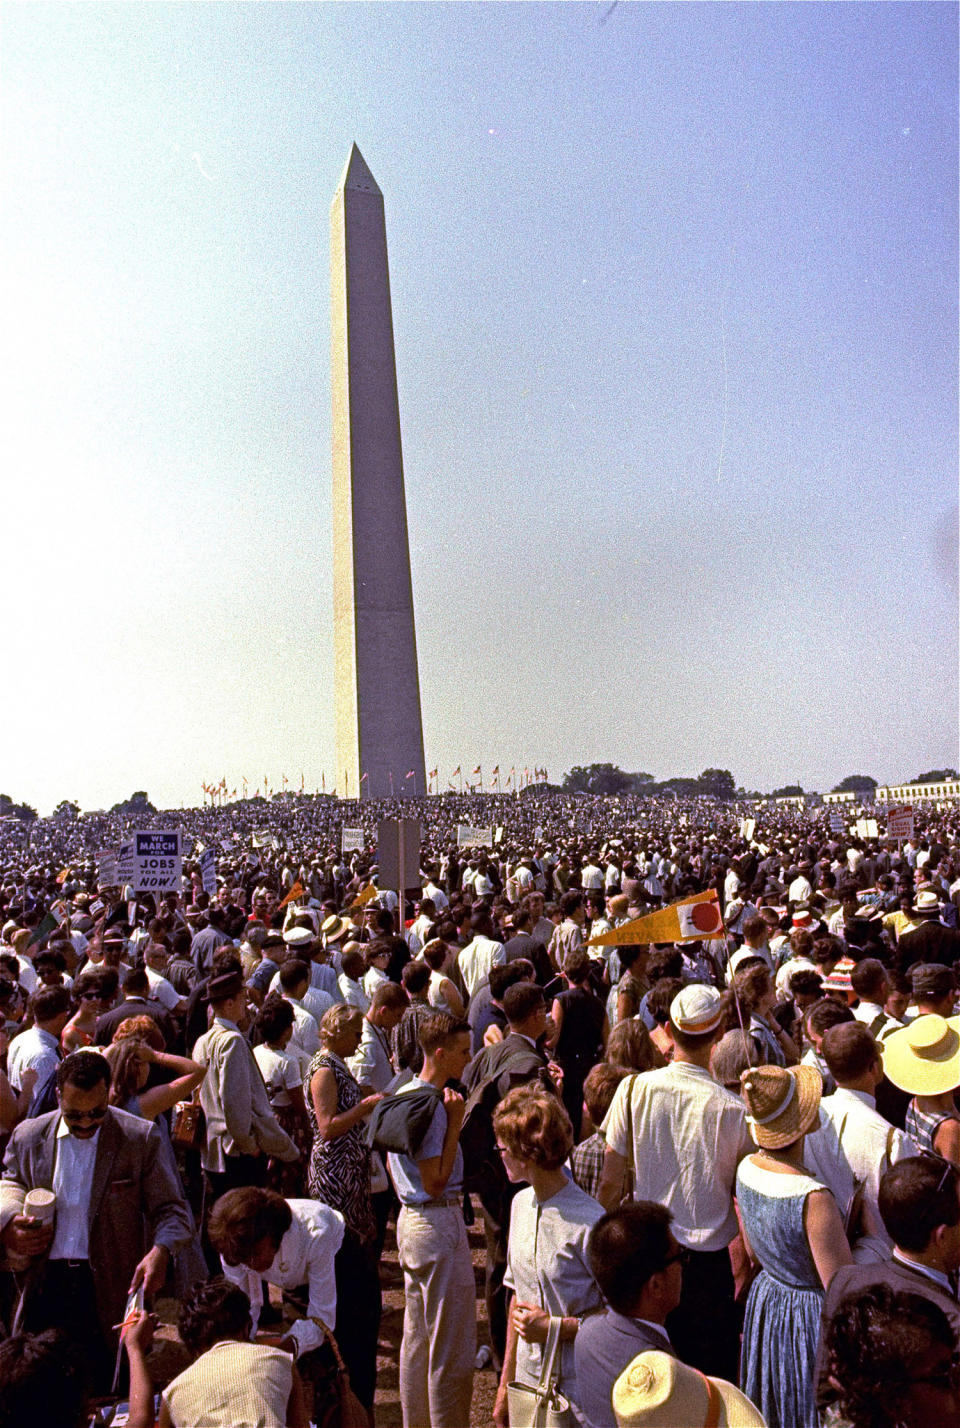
pixel 41 1205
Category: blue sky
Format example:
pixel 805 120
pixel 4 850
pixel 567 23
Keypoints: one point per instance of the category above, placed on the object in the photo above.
pixel 675 305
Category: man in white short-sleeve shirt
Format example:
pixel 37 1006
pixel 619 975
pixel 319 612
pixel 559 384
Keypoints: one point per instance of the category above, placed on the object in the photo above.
pixel 684 1135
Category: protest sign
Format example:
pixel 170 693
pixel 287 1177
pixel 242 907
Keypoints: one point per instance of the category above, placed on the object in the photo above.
pixel 208 871
pixel 900 822
pixel 398 853
pixel 469 837
pixel 107 875
pixel 352 840
pixel 748 827
pixel 157 865
pixel 867 828
pixel 125 864
pixel 836 821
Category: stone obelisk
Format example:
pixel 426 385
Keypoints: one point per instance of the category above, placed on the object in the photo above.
pixel 376 684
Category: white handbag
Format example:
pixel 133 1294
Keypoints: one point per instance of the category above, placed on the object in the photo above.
pixel 543 1406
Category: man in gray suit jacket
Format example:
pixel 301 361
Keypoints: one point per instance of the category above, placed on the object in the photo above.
pixel 919 1202
pixel 639 1267
pixel 120 1211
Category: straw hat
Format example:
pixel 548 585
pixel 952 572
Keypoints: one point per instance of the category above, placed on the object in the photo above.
pixel 656 1390
pixel 926 903
pixel 924 1058
pixel 333 928
pixel 783 1102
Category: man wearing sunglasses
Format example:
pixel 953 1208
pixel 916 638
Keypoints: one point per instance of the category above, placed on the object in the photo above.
pixel 919 1202
pixel 638 1265
pixel 120 1212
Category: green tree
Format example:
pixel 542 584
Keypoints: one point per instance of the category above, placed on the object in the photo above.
pixel 855 783
pixel 137 803
pixel 937 776
pixel 789 790
pixel 718 783
pixel 66 808
pixel 596 778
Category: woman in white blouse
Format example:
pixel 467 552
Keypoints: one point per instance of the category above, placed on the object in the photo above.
pixel 550 1223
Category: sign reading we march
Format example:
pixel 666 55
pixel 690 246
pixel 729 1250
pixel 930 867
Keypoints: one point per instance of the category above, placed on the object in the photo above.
pixel 157 865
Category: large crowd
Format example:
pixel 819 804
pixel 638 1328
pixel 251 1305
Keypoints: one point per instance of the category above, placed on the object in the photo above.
pixel 717 1180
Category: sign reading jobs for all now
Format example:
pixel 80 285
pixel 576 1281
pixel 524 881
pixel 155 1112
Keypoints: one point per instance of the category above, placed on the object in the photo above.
pixel 149 862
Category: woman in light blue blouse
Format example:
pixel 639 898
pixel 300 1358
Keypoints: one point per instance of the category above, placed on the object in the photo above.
pixel 550 1223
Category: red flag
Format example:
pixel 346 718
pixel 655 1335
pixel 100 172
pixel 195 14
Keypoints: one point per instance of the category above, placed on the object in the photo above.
pixel 476 770
pixel 363 777
pixel 411 774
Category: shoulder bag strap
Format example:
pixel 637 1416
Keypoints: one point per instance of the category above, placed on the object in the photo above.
pixel 631 1082
pixel 551 1352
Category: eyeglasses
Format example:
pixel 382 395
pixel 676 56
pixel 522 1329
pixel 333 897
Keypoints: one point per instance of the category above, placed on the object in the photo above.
pixel 938 1161
pixel 78 1118
pixel 681 1256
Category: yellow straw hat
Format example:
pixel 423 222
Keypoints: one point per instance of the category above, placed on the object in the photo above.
pixel 656 1390
pixel 924 1058
pixel 782 1102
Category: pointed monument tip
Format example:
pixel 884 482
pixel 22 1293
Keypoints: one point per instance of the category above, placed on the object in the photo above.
pixel 356 175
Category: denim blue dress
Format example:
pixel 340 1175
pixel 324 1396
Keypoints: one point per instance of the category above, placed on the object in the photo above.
pixel 782 1322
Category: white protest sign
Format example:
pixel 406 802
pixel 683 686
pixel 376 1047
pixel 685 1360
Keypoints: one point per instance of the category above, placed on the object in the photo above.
pixel 352 840
pixel 867 828
pixel 107 874
pixel 498 835
pixel 125 864
pixel 836 821
pixel 208 872
pixel 157 862
pixel 900 822
pixel 469 837
pixel 748 827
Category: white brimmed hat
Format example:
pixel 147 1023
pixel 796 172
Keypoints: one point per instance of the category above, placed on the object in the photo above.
pixel 656 1390
pixel 696 1009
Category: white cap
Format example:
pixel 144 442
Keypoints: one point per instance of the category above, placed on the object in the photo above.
pixel 696 1010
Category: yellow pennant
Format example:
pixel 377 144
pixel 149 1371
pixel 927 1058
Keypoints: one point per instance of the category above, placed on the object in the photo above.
pixel 364 896
pixel 691 919
pixel 295 892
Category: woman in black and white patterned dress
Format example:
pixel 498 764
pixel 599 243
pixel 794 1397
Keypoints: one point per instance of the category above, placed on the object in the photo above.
pixel 339 1176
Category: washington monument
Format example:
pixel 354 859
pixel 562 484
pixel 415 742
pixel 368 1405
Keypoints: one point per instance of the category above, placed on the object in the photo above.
pixel 376 685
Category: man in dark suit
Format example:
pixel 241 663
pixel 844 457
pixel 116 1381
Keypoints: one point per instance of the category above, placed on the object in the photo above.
pixel 930 941
pixel 120 1212
pixel 136 1002
pixel 639 1267
pixel 919 1202
pixel 517 1060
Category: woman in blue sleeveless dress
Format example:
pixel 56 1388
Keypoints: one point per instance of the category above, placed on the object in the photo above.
pixel 792 1226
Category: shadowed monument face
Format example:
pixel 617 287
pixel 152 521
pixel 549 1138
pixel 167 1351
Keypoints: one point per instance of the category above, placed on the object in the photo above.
pixel 376 684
